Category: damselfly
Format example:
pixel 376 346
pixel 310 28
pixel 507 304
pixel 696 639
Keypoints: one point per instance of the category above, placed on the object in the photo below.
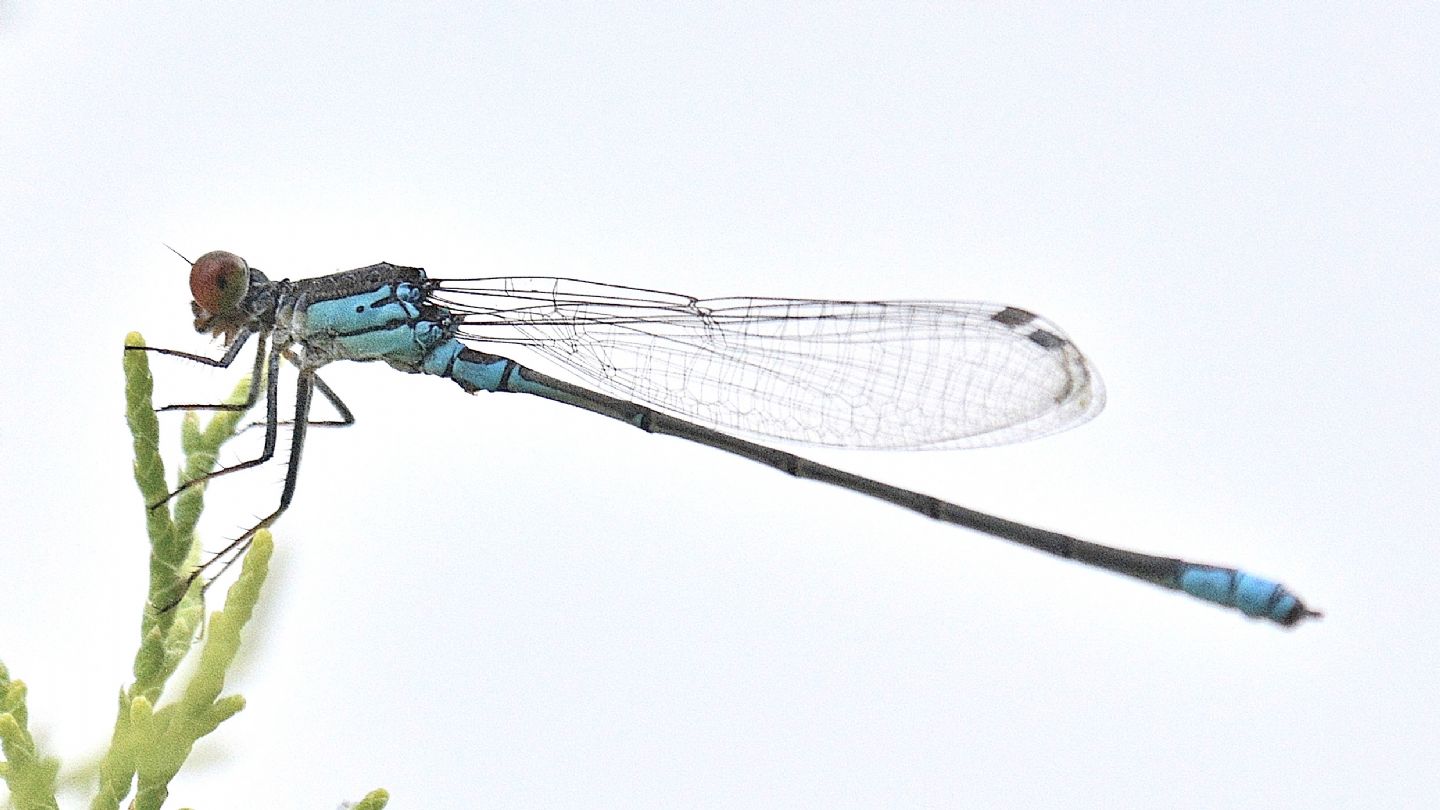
pixel 861 374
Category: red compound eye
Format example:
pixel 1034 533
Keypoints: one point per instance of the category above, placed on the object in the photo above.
pixel 218 280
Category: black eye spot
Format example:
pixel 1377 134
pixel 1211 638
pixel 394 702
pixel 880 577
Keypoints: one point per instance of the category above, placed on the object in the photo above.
pixel 360 309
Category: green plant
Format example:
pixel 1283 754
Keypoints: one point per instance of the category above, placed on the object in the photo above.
pixel 150 742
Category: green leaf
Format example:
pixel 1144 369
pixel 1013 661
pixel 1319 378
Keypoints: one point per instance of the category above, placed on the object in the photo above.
pixel 374 800
pixel 149 745
pixel 29 775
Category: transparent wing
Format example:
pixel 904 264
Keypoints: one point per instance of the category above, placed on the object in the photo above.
pixel 871 374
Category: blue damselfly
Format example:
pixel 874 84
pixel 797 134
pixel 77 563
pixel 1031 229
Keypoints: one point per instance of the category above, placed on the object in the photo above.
pixel 863 374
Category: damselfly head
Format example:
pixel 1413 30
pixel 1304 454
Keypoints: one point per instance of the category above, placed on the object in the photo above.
pixel 218 283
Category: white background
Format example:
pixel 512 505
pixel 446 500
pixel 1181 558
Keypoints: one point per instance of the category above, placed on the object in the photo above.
pixel 493 601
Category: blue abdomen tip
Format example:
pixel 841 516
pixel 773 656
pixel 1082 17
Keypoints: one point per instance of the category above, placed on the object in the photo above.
pixel 1251 595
